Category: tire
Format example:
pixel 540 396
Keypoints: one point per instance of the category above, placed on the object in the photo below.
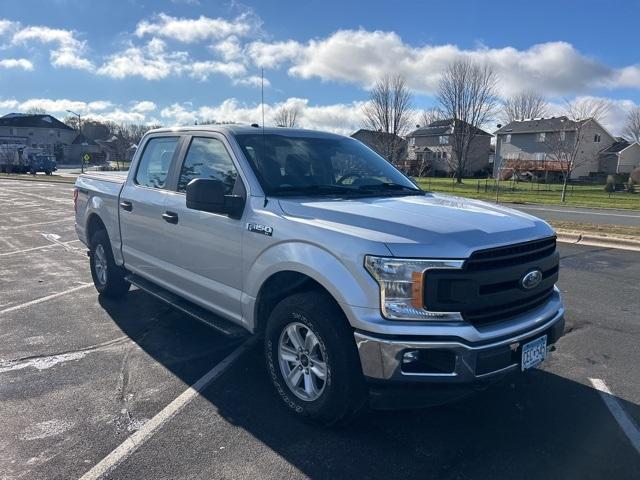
pixel 108 278
pixel 342 394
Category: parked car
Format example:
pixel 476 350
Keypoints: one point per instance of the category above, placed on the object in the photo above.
pixel 42 163
pixel 362 285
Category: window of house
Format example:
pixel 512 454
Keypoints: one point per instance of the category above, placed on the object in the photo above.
pixel 596 138
pixel 542 136
pixel 14 131
pixel 31 133
pixel 444 154
pixel 412 141
pixel 507 138
pixel 155 162
pixel 444 140
pixel 540 156
pixel 208 158
pixel 563 135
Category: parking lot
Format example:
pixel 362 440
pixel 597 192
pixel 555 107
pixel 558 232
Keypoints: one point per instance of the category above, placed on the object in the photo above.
pixel 80 374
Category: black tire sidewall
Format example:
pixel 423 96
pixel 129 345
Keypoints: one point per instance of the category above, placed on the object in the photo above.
pixel 341 393
pixel 116 285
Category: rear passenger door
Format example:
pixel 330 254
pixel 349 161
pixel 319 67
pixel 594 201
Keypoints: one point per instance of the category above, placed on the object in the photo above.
pixel 207 255
pixel 142 202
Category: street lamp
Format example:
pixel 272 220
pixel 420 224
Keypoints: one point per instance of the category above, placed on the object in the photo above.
pixel 80 130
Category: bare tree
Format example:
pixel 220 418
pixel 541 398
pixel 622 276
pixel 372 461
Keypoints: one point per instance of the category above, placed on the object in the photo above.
pixel 632 127
pixel 36 111
pixel 524 105
pixel 427 117
pixel 467 95
pixel 71 121
pixel 287 116
pixel 388 112
pixel 566 145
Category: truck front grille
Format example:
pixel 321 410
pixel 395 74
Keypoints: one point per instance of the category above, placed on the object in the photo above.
pixel 487 289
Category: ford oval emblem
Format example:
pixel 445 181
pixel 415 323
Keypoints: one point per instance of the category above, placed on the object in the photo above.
pixel 531 279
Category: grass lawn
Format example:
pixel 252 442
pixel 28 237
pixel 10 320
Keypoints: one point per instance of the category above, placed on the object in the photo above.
pixel 578 195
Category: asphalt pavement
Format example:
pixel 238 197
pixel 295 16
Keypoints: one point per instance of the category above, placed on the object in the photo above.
pixel 79 375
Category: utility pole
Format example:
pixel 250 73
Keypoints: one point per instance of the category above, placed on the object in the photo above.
pixel 80 130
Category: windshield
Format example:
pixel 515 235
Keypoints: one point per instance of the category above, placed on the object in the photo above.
pixel 287 165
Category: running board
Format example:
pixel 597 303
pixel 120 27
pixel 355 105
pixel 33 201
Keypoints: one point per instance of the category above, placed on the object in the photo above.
pixel 210 319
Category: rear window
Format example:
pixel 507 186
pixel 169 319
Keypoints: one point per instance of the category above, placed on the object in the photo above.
pixel 155 162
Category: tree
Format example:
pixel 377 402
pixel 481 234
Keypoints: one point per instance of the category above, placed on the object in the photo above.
pixel 566 145
pixel 524 105
pixel 36 111
pixel 388 111
pixel 427 117
pixel 287 116
pixel 71 121
pixel 467 95
pixel 632 127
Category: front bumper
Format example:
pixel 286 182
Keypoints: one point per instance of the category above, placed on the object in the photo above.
pixel 454 359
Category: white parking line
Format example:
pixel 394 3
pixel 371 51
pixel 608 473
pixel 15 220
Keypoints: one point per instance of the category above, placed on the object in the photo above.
pixel 131 444
pixel 44 299
pixel 12 227
pixel 627 424
pixel 55 244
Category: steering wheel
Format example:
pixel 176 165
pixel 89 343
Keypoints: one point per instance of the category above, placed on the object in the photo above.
pixel 354 175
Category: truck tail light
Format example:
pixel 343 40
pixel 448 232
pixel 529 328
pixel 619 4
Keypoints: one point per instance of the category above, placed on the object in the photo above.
pixel 75 199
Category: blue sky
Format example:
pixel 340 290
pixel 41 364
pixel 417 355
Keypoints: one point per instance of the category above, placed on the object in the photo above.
pixel 177 61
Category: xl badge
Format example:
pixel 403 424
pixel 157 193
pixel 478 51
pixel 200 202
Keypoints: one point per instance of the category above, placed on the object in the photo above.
pixel 531 279
pixel 257 228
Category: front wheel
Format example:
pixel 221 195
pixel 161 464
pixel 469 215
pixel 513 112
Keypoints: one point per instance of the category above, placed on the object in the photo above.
pixel 312 359
pixel 108 278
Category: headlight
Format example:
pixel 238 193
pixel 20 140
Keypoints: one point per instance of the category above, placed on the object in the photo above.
pixel 401 283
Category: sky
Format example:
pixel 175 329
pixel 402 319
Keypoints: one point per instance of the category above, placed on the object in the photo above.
pixel 180 61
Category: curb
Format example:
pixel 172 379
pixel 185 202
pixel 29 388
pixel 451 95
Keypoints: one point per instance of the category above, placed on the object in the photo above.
pixel 70 181
pixel 579 238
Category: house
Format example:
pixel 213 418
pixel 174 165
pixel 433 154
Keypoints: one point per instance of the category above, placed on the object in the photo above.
pixel 390 146
pixel 620 157
pixel 532 146
pixel 45 133
pixel 430 149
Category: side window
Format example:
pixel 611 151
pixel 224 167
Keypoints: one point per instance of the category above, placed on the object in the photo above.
pixel 207 158
pixel 155 162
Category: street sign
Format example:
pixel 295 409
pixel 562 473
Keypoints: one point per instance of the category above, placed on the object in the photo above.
pixel 86 158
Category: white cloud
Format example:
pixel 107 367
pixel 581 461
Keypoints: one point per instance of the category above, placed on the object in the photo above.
pixel 362 57
pixel 8 104
pixel 151 62
pixel 22 63
pixel 6 25
pixel 252 81
pixel 68 50
pixel 99 105
pixel 144 106
pixel 202 70
pixel 190 30
pixel 230 48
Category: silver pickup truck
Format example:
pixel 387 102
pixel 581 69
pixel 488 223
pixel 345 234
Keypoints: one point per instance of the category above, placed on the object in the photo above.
pixel 362 285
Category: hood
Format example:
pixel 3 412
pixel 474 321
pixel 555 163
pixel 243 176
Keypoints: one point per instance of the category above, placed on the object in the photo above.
pixel 433 225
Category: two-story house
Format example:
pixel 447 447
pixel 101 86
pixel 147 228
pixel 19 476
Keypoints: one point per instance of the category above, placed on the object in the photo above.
pixel 533 146
pixel 430 150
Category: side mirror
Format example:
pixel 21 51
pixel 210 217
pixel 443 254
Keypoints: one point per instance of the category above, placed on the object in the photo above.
pixel 208 195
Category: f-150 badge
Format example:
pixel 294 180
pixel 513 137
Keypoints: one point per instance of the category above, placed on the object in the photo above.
pixel 263 229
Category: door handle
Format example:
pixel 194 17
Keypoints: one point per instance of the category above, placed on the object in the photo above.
pixel 170 217
pixel 128 206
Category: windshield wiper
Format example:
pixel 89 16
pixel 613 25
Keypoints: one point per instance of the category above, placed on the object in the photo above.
pixel 395 187
pixel 316 190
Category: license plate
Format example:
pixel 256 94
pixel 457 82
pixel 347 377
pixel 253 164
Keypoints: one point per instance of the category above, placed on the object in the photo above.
pixel 534 353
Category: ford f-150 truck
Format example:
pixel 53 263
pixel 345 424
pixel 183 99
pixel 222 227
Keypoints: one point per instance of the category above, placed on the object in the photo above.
pixel 360 283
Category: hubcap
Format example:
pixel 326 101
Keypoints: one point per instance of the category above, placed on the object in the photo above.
pixel 100 264
pixel 302 361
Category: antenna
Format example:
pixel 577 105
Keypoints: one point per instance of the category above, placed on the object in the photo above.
pixel 264 139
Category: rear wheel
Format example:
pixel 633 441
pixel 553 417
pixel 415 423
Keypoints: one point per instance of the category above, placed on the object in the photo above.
pixel 312 359
pixel 108 278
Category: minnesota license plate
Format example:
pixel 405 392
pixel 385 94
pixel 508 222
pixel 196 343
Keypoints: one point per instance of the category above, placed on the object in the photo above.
pixel 534 353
